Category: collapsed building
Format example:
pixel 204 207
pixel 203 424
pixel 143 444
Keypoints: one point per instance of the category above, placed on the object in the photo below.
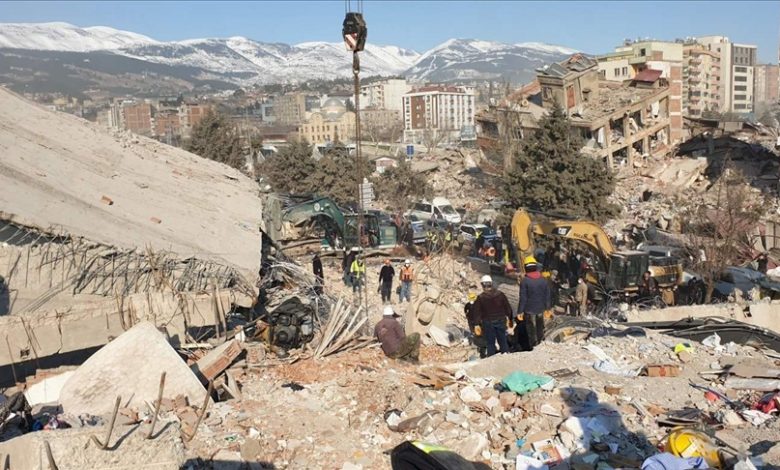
pixel 100 232
pixel 621 123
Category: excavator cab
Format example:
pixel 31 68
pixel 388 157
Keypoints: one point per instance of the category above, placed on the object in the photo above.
pixel 625 270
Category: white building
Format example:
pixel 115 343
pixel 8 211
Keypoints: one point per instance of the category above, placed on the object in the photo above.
pixel 737 64
pixel 437 112
pixel 384 94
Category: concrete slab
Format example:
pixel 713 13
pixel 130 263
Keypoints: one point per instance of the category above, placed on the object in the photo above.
pixel 130 366
pixel 73 450
pixel 47 390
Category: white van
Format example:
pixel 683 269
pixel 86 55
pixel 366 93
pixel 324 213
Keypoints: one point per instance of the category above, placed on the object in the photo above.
pixel 440 209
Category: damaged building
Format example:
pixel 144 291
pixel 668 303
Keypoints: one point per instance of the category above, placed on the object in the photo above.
pixel 621 122
pixel 100 231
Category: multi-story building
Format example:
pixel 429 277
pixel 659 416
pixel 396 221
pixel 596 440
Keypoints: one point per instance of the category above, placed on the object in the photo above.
pixel 167 124
pixel 332 123
pixel 384 94
pixel 441 110
pixel 701 79
pixel 381 124
pixel 138 118
pixel 619 121
pixel 737 62
pixel 767 84
pixel 633 58
pixel 290 108
pixel 190 114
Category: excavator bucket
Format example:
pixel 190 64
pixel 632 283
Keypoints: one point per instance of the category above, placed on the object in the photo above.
pixel 521 228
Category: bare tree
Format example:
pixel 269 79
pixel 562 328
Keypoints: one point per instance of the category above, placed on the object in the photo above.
pixel 717 226
pixel 432 137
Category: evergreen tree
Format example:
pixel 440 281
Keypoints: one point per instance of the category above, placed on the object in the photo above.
pixel 336 176
pixel 291 170
pixel 216 139
pixel 400 186
pixel 550 174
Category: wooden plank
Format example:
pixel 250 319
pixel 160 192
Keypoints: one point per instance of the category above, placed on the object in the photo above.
pixel 762 385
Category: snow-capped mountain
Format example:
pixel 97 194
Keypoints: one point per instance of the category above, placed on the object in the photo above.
pixel 66 37
pixel 243 61
pixel 473 59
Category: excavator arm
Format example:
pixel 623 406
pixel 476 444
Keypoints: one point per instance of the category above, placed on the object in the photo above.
pixel 590 233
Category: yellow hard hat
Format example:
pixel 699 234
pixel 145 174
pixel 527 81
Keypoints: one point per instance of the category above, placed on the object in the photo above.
pixel 472 296
pixel 684 442
pixel 546 274
pixel 529 260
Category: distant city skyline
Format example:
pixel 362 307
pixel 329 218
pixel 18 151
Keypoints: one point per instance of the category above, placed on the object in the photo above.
pixel 593 27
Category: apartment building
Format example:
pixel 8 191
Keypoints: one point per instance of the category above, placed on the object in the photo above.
pixel 438 109
pixel 384 94
pixel 619 121
pixel 701 79
pixel 632 58
pixel 767 84
pixel 737 74
pixel 290 108
pixel 137 118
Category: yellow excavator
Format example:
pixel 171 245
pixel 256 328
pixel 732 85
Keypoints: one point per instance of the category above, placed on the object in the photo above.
pixel 615 272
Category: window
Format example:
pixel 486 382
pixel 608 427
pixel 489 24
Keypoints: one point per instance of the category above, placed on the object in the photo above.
pixel 625 71
pixel 740 88
pixel 643 52
pixel 740 106
pixel 740 69
pixel 740 97
pixel 740 79
pixel 617 71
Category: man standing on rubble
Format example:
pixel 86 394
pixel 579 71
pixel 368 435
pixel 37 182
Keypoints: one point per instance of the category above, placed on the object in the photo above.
pixel 493 312
pixel 474 327
pixel 386 275
pixel 357 272
pixel 407 274
pixel 346 265
pixel 395 343
pixel 581 296
pixel 535 300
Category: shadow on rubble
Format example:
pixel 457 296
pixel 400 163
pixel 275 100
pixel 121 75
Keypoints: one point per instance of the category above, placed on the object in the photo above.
pixel 200 464
pixel 599 430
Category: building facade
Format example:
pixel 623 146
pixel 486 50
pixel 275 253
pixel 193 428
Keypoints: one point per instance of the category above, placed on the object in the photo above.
pixel 701 79
pixel 438 109
pixel 137 118
pixel 332 123
pixel 737 74
pixel 384 94
pixel 767 84
pixel 290 108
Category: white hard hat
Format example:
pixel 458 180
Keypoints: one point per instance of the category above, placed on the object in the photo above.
pixel 388 312
pixel 486 280
pixel 406 261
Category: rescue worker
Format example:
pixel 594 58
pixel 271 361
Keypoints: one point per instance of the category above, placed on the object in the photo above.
pixel 357 273
pixel 448 238
pixel 535 300
pixel 648 288
pixel 346 265
pixel 493 312
pixel 763 262
pixel 316 266
pixel 406 276
pixel 476 329
pixel 395 343
pixel 479 242
pixel 581 296
pixel 386 275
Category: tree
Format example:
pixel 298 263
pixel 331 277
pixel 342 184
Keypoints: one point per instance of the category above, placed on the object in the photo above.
pixel 291 170
pixel 336 176
pixel 432 137
pixel 717 226
pixel 400 186
pixel 550 174
pixel 215 138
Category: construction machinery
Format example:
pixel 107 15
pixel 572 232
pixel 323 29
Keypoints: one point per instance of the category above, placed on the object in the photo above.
pixel 614 272
pixel 303 222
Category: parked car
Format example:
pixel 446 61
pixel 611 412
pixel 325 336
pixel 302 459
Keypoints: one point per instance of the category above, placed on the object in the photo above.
pixel 468 233
pixel 439 208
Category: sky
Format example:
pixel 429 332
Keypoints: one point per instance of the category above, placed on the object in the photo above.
pixel 593 27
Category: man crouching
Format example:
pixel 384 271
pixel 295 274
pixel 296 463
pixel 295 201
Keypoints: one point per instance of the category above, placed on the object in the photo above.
pixel 395 343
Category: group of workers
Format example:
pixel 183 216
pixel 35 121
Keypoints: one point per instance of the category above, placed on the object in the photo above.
pixel 491 319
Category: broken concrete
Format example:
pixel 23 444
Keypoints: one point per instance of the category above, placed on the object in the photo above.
pixel 218 359
pixel 72 449
pixel 130 366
